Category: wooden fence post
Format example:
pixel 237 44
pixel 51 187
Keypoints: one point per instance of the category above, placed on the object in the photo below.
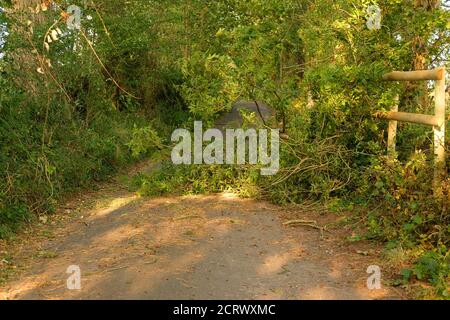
pixel 437 121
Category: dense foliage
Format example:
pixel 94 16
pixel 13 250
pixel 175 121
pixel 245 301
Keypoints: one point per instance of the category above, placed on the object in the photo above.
pixel 75 109
pixel 70 100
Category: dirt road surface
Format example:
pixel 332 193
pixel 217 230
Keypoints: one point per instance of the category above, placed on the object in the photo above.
pixel 189 247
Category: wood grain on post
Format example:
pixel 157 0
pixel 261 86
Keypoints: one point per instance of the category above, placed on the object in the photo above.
pixel 421 75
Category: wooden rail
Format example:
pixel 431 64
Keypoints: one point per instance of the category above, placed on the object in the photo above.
pixel 410 117
pixel 421 75
pixel 437 121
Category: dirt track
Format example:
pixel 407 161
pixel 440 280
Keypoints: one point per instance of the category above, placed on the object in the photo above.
pixel 202 247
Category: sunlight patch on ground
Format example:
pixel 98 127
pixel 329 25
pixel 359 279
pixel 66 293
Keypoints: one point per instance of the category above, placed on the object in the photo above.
pixel 274 264
pixel 229 196
pixel 321 293
pixel 118 234
pixel 113 205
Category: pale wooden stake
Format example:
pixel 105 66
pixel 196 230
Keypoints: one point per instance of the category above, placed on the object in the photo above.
pixel 439 134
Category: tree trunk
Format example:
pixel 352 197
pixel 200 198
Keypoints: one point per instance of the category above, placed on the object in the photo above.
pixel 420 54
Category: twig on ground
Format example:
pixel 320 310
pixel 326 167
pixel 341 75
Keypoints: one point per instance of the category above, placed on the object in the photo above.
pixel 306 223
